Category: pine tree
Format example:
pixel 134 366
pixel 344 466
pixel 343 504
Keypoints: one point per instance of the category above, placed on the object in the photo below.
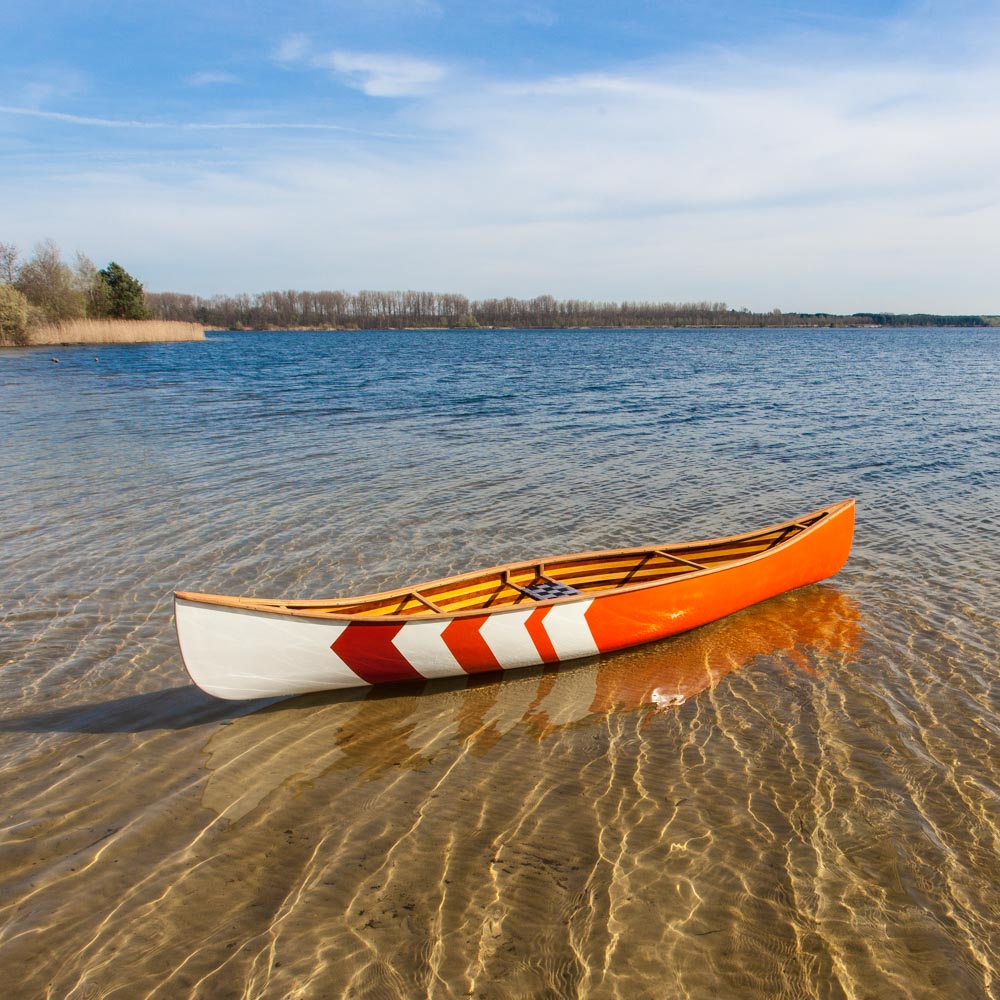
pixel 122 296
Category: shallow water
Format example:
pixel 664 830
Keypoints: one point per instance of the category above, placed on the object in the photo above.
pixel 802 800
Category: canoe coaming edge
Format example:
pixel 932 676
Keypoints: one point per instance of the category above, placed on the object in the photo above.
pixel 318 608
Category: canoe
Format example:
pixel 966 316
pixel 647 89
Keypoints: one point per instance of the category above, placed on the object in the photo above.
pixel 543 611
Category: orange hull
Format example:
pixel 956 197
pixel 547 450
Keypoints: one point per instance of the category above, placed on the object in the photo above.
pixel 518 615
pixel 627 619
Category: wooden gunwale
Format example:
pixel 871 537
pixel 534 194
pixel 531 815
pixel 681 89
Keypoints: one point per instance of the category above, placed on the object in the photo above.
pixel 321 609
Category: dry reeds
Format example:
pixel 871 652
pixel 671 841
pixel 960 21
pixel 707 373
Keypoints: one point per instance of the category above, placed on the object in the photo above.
pixel 114 331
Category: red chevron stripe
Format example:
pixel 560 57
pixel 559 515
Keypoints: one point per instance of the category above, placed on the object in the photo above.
pixel 468 646
pixel 534 627
pixel 368 650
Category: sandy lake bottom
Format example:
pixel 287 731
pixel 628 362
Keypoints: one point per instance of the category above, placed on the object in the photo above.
pixel 801 800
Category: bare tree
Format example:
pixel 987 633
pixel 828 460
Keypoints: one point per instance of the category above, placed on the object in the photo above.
pixel 8 263
pixel 50 285
pixel 87 282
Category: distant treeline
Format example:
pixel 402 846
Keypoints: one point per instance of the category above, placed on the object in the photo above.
pixel 386 310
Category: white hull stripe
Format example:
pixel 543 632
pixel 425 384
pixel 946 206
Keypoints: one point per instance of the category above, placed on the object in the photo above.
pixel 509 640
pixel 568 631
pixel 422 645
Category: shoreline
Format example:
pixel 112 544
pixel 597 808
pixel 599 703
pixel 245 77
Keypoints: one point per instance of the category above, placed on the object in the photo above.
pixel 569 329
pixel 117 331
pixel 80 333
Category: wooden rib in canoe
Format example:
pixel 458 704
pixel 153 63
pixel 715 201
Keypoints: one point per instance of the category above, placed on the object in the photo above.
pixel 500 618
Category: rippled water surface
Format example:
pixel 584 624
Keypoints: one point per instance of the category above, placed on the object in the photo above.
pixel 802 800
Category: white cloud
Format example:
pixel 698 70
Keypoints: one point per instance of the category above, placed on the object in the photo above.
pixel 384 75
pixel 506 227
pixel 654 142
pixel 761 180
pixel 377 74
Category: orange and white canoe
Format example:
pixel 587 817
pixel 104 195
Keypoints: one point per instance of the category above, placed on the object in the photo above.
pixel 519 615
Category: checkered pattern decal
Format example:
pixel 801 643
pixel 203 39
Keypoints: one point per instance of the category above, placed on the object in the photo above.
pixel 548 591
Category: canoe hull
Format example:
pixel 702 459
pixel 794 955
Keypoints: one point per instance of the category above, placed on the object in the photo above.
pixel 242 653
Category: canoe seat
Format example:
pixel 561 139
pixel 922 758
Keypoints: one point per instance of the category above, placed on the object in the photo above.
pixel 548 590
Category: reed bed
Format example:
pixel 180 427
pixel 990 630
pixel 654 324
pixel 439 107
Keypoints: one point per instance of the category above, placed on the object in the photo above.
pixel 114 331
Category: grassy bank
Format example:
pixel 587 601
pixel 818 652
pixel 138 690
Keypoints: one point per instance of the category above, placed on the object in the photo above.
pixel 114 331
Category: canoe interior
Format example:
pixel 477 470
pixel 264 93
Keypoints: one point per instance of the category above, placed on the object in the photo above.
pixel 590 573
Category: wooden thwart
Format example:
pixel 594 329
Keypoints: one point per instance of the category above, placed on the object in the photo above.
pixel 426 601
pixel 670 555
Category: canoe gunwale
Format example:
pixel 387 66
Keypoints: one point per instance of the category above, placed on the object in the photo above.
pixel 311 608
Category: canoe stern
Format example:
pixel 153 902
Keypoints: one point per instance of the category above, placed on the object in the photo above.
pixel 235 653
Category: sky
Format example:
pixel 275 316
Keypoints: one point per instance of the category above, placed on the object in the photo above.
pixel 801 155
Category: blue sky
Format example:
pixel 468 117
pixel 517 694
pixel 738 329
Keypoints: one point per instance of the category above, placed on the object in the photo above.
pixel 795 155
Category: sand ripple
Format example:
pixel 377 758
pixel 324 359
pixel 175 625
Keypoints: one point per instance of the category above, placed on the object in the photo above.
pixel 800 801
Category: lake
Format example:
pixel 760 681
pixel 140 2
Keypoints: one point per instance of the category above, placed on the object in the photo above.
pixel 812 811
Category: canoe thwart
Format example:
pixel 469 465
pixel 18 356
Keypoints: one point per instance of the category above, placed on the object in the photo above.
pixel 680 559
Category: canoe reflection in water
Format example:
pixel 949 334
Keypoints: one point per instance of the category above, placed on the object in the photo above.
pixel 819 620
pixel 370 730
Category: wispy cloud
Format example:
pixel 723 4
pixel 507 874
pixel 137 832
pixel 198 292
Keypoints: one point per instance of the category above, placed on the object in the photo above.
pixel 207 78
pixel 231 126
pixel 377 74
pixel 47 83
pixel 756 176
pixel 294 48
pixel 382 75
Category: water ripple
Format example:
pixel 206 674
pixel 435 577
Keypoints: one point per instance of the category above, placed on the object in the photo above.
pixel 802 800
